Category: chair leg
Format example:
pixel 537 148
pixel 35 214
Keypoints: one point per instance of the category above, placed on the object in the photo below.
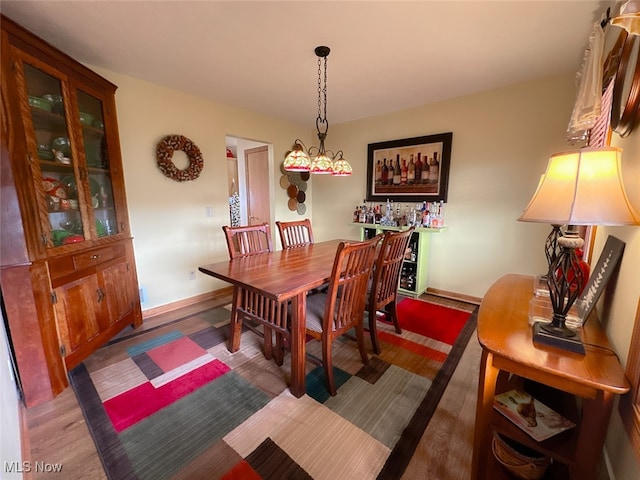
pixel 268 343
pixel 373 331
pixel 361 346
pixel 392 310
pixel 278 353
pixel 327 363
pixel 235 325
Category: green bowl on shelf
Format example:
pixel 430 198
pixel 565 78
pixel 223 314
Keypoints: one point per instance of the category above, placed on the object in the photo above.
pixel 53 98
pixel 58 236
pixel 101 229
pixel 40 103
pixel 86 119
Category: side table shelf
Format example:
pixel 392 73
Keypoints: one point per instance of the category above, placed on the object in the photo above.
pixel 413 279
pixel 580 388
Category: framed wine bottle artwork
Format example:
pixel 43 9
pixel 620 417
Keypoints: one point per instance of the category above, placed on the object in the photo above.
pixel 409 170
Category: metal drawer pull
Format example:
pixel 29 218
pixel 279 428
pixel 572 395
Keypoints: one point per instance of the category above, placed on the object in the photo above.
pixel 95 256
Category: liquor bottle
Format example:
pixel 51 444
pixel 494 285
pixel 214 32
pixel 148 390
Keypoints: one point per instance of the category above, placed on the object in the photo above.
pixel 419 167
pixel 425 170
pixel 411 281
pixel 396 171
pixel 356 214
pixel 404 172
pixel 426 215
pixel 371 215
pixel 378 176
pixel 440 216
pixel 411 175
pixel 434 169
pixel 388 210
pixel 384 177
pixel 391 172
pixel 434 215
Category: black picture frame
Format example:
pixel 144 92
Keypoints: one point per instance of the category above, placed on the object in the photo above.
pixel 431 188
pixel 601 274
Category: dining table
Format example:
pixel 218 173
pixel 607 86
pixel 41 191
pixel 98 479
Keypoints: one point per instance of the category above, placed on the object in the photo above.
pixel 283 275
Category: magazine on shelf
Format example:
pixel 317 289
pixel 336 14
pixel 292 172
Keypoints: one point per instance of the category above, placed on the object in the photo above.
pixel 532 416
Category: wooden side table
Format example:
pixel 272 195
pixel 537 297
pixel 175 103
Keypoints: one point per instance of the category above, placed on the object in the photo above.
pixel 560 377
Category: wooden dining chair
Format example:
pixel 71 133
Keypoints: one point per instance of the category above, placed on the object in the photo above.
pixel 248 240
pixel 295 234
pixel 383 291
pixel 245 241
pixel 334 313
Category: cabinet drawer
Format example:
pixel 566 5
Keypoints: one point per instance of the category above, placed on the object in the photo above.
pixel 97 256
pixel 63 266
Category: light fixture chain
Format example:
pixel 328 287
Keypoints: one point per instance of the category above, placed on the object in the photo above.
pixel 320 89
pixel 297 159
pixel 325 89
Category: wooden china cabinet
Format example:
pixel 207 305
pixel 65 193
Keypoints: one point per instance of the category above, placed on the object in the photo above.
pixel 69 280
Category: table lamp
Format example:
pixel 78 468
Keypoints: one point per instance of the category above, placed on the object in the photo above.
pixel 579 187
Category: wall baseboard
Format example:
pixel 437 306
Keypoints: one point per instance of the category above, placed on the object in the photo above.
pixel 227 292
pixel 216 295
pixel 454 296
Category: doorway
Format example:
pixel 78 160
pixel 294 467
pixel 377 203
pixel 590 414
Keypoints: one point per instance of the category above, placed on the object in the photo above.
pixel 250 180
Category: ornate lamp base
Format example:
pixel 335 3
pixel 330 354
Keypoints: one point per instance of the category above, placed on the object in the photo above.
pixel 543 335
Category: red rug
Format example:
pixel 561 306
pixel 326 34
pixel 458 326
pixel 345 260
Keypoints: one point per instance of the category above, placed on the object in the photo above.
pixel 431 320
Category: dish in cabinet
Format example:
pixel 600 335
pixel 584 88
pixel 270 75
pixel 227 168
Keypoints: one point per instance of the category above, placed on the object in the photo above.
pixel 54 188
pixel 40 103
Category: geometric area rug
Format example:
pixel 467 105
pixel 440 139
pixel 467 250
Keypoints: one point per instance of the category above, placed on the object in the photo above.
pixel 172 402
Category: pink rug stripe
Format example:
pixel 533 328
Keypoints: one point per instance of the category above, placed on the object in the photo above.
pixel 174 354
pixel 130 407
pixel 416 348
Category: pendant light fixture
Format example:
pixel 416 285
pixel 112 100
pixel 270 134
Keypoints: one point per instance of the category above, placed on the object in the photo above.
pixel 324 161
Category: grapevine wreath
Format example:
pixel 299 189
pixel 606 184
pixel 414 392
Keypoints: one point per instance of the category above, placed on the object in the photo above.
pixel 164 156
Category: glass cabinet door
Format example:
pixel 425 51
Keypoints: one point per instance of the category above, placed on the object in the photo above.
pixel 98 164
pixel 58 162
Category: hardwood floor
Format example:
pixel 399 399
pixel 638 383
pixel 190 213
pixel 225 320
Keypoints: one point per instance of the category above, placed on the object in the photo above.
pixel 58 434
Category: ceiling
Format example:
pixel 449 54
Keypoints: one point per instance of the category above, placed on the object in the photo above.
pixel 259 56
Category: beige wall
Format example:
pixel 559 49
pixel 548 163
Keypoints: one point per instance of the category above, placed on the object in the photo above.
pixel 172 234
pixel 502 140
pixel 618 311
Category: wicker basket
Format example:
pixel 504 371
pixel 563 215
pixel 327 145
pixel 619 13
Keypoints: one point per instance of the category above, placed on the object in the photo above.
pixel 518 463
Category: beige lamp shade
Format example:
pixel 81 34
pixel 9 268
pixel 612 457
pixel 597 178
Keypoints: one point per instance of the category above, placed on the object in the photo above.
pixel 629 17
pixel 341 168
pixel 297 160
pixel 582 187
pixel 322 164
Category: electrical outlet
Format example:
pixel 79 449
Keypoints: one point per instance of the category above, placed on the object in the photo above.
pixel 192 274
